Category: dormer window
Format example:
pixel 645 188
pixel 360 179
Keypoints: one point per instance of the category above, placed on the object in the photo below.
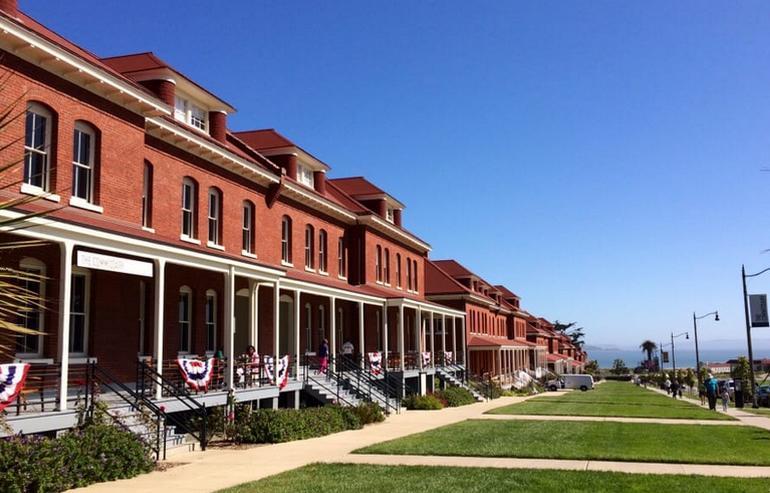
pixel 389 216
pixel 305 175
pixel 189 113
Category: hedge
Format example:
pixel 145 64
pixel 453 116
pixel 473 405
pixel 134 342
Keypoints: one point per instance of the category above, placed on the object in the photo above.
pixel 455 397
pixel 285 425
pixel 95 453
pixel 422 402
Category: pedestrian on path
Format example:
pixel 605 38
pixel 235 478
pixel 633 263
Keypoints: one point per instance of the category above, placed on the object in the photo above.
pixel 323 355
pixel 674 388
pixel 711 391
pixel 702 394
pixel 725 398
pixel 667 385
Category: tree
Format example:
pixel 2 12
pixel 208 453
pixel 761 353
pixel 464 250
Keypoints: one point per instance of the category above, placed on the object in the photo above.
pixel 648 347
pixel 689 378
pixel 592 367
pixel 577 334
pixel 619 367
pixel 742 371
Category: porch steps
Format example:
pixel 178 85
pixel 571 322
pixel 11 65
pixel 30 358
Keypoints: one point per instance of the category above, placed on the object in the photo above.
pixel 450 379
pixel 144 427
pixel 326 391
pixel 378 396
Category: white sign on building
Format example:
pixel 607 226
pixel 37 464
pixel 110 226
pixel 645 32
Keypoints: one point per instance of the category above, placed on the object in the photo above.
pixel 99 261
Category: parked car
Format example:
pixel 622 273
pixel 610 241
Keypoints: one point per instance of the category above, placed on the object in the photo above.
pixel 763 395
pixel 582 382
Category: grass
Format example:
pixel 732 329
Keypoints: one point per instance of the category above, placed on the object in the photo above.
pixel 354 478
pixel 643 442
pixel 621 399
pixel 762 411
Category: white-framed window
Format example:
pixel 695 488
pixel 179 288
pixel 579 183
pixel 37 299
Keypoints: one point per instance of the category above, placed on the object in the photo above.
pixel 248 227
pixel 389 215
pixel 309 246
pixel 341 259
pixel 32 318
pixel 305 175
pixel 378 264
pixel 322 248
pixel 386 270
pixel 37 145
pixel 187 112
pixel 398 270
pixel 214 216
pixel 211 320
pixel 147 196
pixel 185 319
pixel 286 240
pixel 79 303
pixel 83 159
pixel 188 208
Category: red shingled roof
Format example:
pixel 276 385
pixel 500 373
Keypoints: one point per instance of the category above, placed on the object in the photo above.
pixel 136 62
pixel 357 186
pixel 555 357
pixel 507 293
pixel 437 281
pixel 483 341
pixel 264 139
pixel 453 268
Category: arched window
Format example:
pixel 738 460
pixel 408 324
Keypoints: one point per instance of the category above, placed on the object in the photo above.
pixel 83 162
pixel 147 195
pixel 309 246
pixel 185 319
pixel 378 264
pixel 248 228
pixel 189 194
pixel 37 147
pixel 408 274
pixel 341 258
pixel 416 276
pixel 322 249
pixel 32 318
pixel 211 320
pixel 286 240
pixel 215 217
pixel 387 267
pixel 398 270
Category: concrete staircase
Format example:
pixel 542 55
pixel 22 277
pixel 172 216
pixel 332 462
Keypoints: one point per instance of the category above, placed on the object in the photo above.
pixel 327 391
pixel 448 378
pixel 143 426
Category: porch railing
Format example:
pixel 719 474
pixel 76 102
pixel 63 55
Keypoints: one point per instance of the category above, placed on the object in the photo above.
pixel 42 388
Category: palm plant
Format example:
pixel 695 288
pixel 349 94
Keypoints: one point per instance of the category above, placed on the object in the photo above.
pixel 648 347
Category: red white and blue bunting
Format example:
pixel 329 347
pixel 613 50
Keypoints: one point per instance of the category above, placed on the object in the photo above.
pixel 12 377
pixel 425 358
pixel 448 358
pixel 196 373
pixel 375 362
pixel 268 366
pixel 283 372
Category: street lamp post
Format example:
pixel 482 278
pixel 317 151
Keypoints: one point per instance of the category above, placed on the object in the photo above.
pixel 673 353
pixel 695 328
pixel 754 403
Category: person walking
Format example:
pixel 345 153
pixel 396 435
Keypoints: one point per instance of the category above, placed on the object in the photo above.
pixel 711 391
pixel 667 385
pixel 702 394
pixel 725 398
pixel 323 356
pixel 674 388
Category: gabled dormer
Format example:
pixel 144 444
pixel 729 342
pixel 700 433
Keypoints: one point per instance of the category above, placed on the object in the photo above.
pixel 373 198
pixel 193 105
pixel 297 164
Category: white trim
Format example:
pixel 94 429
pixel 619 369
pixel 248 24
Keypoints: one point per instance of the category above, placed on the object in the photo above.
pixel 310 288
pixel 86 129
pixel 84 204
pixel 215 246
pixel 79 271
pixel 33 264
pixel 28 189
pixel 149 230
pixel 286 264
pixel 248 254
pixel 385 227
pixel 309 269
pixel 187 239
pixel 190 310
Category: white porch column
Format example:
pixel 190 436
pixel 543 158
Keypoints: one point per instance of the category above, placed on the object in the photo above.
pixel 454 338
pixel 333 332
pixel 401 335
pixel 384 318
pixel 419 332
pixel 160 303
pixel 254 315
pixel 432 338
pixel 276 320
pixel 361 342
pixel 463 344
pixel 229 328
pixel 297 312
pixel 443 336
pixel 499 361
pixel 65 300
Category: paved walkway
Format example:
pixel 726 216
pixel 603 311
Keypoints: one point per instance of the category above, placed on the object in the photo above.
pixel 219 468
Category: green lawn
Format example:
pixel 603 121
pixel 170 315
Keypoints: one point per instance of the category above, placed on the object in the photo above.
pixel 643 442
pixel 762 411
pixel 354 478
pixel 612 399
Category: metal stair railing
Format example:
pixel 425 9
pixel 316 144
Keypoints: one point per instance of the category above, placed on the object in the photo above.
pixel 147 374
pixel 321 380
pixel 374 389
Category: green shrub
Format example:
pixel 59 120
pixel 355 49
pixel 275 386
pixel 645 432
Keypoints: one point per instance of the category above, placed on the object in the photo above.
pixel 455 396
pixel 422 402
pixel 368 412
pixel 93 454
pixel 285 425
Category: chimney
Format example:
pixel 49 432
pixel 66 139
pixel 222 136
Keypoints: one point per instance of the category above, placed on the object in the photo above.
pixel 397 217
pixel 319 179
pixel 218 125
pixel 382 208
pixel 10 7
pixel 291 166
pixel 165 89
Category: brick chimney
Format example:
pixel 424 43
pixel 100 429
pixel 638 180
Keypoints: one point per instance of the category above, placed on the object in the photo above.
pixel 10 7
pixel 165 89
pixel 291 166
pixel 218 125
pixel 382 208
pixel 319 179
pixel 397 217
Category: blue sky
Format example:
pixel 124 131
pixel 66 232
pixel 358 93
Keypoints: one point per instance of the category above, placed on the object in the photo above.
pixel 602 159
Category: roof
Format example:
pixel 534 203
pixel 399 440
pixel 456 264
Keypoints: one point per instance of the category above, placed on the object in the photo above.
pixel 482 341
pixel 358 186
pixel 507 293
pixel 555 357
pixel 264 139
pixel 438 281
pixel 453 268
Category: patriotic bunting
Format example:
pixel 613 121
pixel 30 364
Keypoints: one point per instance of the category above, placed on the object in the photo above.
pixel 267 363
pixel 375 362
pixel 12 377
pixel 448 358
pixel 283 372
pixel 196 373
pixel 425 358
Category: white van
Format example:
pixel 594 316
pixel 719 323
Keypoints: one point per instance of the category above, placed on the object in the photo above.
pixel 582 382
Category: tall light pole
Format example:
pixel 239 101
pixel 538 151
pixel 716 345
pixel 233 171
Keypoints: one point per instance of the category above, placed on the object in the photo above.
pixel 673 354
pixel 695 328
pixel 754 403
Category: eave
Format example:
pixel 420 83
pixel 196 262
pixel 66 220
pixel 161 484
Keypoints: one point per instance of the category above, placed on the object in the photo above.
pixel 381 225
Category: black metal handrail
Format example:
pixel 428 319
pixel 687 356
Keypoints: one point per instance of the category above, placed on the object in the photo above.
pixel 323 378
pixel 370 386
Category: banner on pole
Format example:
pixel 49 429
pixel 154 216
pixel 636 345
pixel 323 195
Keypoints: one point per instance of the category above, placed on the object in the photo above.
pixel 665 356
pixel 758 310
